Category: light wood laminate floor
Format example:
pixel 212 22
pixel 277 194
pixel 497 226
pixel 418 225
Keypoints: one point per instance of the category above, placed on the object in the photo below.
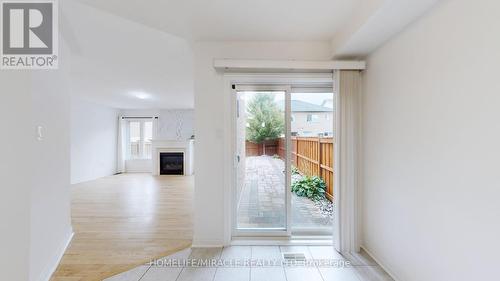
pixel 124 221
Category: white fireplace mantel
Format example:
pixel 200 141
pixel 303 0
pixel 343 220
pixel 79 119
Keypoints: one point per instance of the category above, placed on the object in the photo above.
pixel 186 147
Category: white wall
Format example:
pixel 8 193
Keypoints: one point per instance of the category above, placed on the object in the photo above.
pixel 173 124
pixel 176 124
pixel 34 203
pixel 16 145
pixel 50 195
pixel 431 146
pixel 94 135
pixel 211 125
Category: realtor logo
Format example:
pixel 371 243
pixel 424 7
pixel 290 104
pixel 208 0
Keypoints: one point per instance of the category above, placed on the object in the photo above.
pixel 29 35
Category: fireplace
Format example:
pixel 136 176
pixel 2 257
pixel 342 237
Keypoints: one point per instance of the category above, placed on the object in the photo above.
pixel 178 152
pixel 171 163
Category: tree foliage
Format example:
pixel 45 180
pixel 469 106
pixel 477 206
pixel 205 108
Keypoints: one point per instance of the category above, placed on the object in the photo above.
pixel 265 119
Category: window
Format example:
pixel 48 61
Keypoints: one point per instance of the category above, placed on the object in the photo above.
pixel 134 139
pixel 140 136
pixel 312 118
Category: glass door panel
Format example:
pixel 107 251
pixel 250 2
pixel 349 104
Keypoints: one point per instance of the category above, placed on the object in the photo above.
pixel 312 145
pixel 261 192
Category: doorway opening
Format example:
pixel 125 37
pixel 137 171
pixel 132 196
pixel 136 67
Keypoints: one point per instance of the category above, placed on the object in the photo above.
pixel 284 142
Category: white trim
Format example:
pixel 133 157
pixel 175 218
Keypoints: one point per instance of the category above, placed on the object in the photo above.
pixel 46 275
pixel 289 241
pixel 381 264
pixel 230 161
pixel 299 89
pixel 234 181
pixel 165 146
pixel 279 78
pixel 288 159
pixel 237 64
pixel 337 194
pixel 278 232
pixel 208 244
pixel 260 87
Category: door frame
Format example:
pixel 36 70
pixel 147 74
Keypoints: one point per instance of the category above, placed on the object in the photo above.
pixel 235 232
pixel 269 80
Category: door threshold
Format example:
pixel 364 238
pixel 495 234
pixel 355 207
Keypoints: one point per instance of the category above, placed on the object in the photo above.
pixel 283 241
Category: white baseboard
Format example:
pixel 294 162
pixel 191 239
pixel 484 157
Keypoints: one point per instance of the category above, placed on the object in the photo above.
pixel 207 243
pixel 54 262
pixel 381 264
pixel 282 241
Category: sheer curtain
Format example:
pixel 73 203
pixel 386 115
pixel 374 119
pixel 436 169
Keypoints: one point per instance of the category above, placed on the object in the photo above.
pixel 155 128
pixel 121 145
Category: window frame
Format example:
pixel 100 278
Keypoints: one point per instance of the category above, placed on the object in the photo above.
pixel 142 140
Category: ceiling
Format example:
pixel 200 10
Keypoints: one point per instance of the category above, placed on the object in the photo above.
pixel 138 54
pixel 123 64
pixel 237 20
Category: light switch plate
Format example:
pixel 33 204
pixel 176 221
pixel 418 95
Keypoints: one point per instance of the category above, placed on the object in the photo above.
pixel 39 133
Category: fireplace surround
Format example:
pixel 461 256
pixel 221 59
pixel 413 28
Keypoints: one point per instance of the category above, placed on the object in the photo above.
pixel 174 148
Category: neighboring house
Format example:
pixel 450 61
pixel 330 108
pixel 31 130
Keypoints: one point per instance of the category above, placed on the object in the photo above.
pixel 311 119
pixel 328 103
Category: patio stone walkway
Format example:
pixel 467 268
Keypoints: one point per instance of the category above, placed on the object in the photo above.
pixel 262 199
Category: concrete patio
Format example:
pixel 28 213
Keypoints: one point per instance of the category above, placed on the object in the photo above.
pixel 262 200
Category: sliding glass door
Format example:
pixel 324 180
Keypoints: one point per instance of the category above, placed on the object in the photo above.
pixel 284 139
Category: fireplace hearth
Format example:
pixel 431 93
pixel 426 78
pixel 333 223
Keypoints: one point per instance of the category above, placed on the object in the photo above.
pixel 171 163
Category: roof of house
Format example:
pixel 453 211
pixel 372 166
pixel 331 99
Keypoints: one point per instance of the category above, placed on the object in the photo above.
pixel 302 106
pixel 328 101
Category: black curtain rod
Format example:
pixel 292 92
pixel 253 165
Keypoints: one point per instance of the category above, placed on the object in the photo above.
pixel 139 117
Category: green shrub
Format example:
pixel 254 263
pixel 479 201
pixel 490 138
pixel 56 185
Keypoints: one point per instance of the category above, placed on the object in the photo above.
pixel 295 170
pixel 310 187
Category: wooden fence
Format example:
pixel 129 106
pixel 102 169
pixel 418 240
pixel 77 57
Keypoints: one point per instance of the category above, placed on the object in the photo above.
pixel 313 157
pixel 266 148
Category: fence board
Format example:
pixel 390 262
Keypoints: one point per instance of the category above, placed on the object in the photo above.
pixel 313 157
pixel 269 148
